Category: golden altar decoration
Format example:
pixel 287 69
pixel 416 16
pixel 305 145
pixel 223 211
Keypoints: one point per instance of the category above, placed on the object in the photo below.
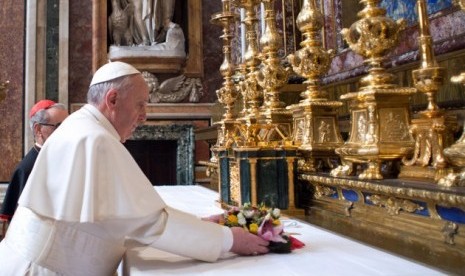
pixel 378 100
pixel 455 154
pixel 254 156
pixel 413 217
pixel 316 130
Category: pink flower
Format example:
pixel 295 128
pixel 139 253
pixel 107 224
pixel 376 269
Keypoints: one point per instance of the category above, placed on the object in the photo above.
pixel 270 232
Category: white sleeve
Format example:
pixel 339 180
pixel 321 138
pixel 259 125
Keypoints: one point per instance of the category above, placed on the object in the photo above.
pixel 227 239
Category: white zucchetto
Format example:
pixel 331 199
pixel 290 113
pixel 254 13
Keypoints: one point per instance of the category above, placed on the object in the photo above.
pixel 113 70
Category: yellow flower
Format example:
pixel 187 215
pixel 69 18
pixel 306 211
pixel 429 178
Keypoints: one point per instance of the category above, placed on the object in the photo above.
pixel 276 222
pixel 253 228
pixel 233 219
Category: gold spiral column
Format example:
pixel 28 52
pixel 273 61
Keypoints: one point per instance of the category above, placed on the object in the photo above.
pixel 378 100
pixel 316 130
pixel 433 130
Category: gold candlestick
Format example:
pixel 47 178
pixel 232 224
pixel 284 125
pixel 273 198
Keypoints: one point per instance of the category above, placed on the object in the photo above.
pixel 432 130
pixel 272 76
pixel 316 130
pixel 251 58
pixel 379 100
pixel 227 94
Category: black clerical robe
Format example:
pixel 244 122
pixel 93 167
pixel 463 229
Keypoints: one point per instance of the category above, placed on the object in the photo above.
pixel 17 183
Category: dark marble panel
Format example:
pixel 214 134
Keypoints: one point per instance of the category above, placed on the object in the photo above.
pixel 184 135
pixel 80 49
pixel 52 49
pixel 12 29
pixel 212 51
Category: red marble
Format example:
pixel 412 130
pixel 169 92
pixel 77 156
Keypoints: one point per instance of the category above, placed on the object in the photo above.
pixel 11 108
pixel 80 49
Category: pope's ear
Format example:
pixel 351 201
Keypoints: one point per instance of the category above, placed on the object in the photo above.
pixel 110 98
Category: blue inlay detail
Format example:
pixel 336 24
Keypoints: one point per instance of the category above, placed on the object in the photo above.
pixel 367 201
pixel 424 211
pixel 452 214
pixel 350 195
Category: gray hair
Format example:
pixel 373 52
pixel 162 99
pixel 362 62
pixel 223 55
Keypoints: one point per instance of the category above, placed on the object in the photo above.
pixel 42 117
pixel 97 92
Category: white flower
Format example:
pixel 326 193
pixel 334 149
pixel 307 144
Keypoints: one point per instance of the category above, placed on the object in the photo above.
pixel 241 219
pixel 249 213
pixel 276 213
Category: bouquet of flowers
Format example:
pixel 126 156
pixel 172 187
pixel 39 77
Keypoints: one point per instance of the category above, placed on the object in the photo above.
pixel 264 222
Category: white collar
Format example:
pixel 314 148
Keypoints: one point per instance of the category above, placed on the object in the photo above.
pixel 101 119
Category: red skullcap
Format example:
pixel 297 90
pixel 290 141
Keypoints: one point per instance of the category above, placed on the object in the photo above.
pixel 42 104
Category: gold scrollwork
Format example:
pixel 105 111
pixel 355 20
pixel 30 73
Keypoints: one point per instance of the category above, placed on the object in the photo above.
pixel 321 191
pixel 395 205
pixel 442 198
pixel 449 230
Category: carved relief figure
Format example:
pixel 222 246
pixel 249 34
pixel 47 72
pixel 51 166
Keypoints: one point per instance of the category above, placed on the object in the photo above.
pixel 141 34
pixel 394 127
pixel 324 130
pixel 361 127
pixel 119 24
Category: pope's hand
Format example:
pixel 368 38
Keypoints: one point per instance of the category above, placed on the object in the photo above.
pixel 245 243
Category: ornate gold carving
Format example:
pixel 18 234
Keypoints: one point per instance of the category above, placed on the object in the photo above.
pixel 227 94
pixel 461 3
pixel 433 130
pixel 235 184
pixel 394 205
pixel 323 191
pixel 372 36
pixel 272 75
pixel 449 231
pixel 316 131
pixel 251 58
pixel 456 153
pixel 444 198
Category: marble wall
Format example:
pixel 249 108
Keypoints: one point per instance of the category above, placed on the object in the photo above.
pixel 12 33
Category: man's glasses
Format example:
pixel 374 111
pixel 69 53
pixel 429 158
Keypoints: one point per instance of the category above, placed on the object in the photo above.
pixel 52 125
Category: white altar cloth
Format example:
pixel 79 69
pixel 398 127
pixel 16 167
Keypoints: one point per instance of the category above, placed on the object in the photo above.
pixel 325 253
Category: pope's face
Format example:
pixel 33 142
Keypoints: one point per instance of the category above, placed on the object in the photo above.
pixel 130 107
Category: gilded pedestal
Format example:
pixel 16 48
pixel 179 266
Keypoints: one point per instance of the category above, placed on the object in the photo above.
pixel 380 109
pixel 316 131
pixel 433 130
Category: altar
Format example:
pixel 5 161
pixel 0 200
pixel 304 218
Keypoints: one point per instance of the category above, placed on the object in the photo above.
pixel 325 253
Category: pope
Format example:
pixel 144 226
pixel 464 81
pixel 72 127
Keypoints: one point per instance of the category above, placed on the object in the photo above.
pixel 86 200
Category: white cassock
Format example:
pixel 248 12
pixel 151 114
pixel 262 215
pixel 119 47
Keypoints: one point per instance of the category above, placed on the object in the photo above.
pixel 87 200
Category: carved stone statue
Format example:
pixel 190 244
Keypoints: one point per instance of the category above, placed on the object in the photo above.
pixel 158 14
pixel 146 24
pixel 119 24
